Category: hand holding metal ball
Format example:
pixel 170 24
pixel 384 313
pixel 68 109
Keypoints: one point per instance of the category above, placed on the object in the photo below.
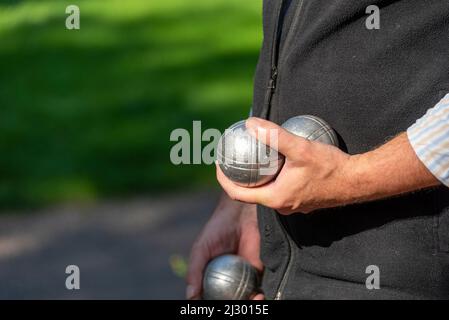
pixel 230 277
pixel 249 163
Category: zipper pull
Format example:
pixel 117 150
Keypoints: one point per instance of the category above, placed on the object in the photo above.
pixel 274 75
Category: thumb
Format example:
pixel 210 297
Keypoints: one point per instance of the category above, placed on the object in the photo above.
pixel 276 137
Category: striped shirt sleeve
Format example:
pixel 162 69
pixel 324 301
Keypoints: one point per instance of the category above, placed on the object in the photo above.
pixel 429 137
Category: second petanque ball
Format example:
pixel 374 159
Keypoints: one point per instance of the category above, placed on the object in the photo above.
pixel 311 128
pixel 240 157
pixel 230 277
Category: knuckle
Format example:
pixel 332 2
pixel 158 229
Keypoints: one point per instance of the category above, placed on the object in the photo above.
pixel 293 207
pixel 296 206
pixel 303 146
pixel 277 204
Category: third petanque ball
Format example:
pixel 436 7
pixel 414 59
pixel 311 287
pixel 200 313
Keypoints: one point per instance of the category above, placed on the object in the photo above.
pixel 230 277
pixel 239 154
pixel 240 157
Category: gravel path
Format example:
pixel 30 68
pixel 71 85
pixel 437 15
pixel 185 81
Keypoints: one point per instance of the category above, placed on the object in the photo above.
pixel 122 248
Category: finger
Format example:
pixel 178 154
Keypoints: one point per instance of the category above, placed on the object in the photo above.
pixel 249 195
pixel 259 296
pixel 276 137
pixel 249 244
pixel 199 257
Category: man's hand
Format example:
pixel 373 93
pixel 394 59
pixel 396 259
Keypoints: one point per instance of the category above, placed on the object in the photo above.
pixel 231 229
pixel 317 176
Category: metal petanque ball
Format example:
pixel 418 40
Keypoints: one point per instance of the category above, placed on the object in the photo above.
pixel 312 128
pixel 245 160
pixel 230 277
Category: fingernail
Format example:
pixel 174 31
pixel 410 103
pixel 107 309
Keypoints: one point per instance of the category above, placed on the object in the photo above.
pixel 252 123
pixel 190 292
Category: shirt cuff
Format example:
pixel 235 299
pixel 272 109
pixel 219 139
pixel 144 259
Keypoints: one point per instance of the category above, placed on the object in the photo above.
pixel 429 137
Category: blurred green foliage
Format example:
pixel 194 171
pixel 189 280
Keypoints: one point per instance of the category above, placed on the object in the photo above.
pixel 178 265
pixel 87 113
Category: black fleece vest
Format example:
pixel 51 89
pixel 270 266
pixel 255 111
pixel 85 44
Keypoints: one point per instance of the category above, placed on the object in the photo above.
pixel 369 85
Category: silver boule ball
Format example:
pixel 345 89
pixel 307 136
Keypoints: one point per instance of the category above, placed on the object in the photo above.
pixel 245 160
pixel 230 277
pixel 312 128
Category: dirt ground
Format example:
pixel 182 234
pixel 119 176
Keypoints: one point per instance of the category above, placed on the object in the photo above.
pixel 123 249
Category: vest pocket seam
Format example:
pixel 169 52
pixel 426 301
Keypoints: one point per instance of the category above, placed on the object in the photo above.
pixel 441 231
pixel 436 235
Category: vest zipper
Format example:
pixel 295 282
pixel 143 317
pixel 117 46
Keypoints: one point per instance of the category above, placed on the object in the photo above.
pixel 272 84
pixel 270 92
pixel 284 280
pixel 273 61
pixel 276 61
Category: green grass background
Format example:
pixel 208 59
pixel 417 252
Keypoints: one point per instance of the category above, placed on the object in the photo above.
pixel 87 114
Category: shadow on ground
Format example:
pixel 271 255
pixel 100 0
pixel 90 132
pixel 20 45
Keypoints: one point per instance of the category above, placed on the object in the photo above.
pixel 123 249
